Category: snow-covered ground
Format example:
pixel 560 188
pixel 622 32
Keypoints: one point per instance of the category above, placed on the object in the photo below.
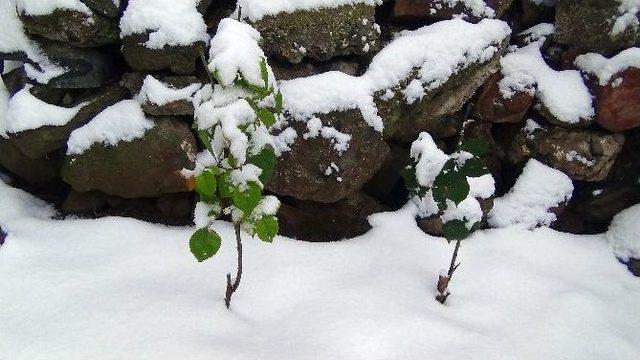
pixel 117 288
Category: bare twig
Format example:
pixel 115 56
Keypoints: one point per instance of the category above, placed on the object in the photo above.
pixel 231 288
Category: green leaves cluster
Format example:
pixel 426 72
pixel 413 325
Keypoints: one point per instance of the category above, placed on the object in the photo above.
pixel 451 184
pixel 241 201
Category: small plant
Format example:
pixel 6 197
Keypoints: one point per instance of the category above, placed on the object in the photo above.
pixel 439 184
pixel 233 118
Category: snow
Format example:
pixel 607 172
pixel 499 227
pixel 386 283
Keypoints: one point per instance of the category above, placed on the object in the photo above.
pixel 39 7
pixel 623 233
pixel 429 159
pixel 171 23
pixel 437 52
pixel 339 140
pixel 27 112
pixel 605 69
pixel 159 93
pixel 255 10
pixel 628 16
pixel 14 40
pixel 4 106
pixel 121 122
pixel 538 31
pixel 563 93
pixel 477 8
pixel 538 190
pixel 117 288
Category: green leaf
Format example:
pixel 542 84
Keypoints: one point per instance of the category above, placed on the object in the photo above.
pixel 264 72
pixel 410 180
pixel 452 185
pixel 266 228
pixel 248 199
pixel 204 243
pixel 278 99
pixel 266 116
pixel 206 184
pixel 225 187
pixel 475 146
pixel 455 230
pixel 265 160
pixel 473 167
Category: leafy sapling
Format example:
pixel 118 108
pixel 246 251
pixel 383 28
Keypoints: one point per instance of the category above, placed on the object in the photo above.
pixel 233 117
pixel 449 186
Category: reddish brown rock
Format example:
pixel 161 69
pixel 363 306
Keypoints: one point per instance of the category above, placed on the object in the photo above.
pixel 618 103
pixel 493 107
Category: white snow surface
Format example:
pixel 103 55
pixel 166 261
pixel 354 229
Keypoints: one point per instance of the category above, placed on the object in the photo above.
pixel 605 69
pixel 14 40
pixel 172 23
pixel 436 51
pixel 121 122
pixel 27 112
pixel 563 93
pixel 46 7
pixel 255 10
pixel 627 16
pixel 477 8
pixel 538 190
pixel 624 233
pixel 117 288
pixel 159 93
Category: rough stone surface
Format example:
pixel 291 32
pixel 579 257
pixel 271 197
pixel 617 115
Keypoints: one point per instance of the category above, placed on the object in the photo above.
pixel 39 142
pixel 320 34
pixel 491 106
pixel 105 7
pixel 179 59
pixel 73 27
pixel 178 107
pixel 315 222
pixel 33 171
pixel 534 13
pixel 587 24
pixel 412 10
pixel 301 172
pixel 434 112
pixel 618 106
pixel 145 167
pixel 284 71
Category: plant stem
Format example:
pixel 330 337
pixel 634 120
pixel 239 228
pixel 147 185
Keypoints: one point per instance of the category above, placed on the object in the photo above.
pixel 443 281
pixel 231 288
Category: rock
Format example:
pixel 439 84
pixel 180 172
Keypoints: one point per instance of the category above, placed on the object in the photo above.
pixel 491 106
pixel 283 71
pixel 83 202
pixel 421 10
pixel 618 103
pixel 536 12
pixel 320 34
pixel 588 25
pixel 383 183
pixel 436 112
pixel 39 142
pixel 179 59
pixel 14 80
pixel 86 68
pixel 109 8
pixel 585 155
pixel 479 130
pixel 145 167
pixel 316 222
pixel 34 171
pixel 73 27
pixel 315 170
pixel 178 107
pixel 634 266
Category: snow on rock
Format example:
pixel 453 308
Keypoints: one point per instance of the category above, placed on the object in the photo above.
pixel 235 49
pixel 27 112
pixel 170 22
pixel 123 121
pixel 13 39
pixel 530 202
pixel 159 93
pixel 537 31
pixel 624 233
pixel 429 159
pixel 4 106
pixel 255 10
pixel 39 7
pixel 604 69
pixel 435 52
pixel 477 8
pixel 122 276
pixel 627 16
pixel 563 93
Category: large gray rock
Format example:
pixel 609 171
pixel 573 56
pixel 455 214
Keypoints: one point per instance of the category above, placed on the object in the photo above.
pixel 320 34
pixel 109 8
pixel 179 59
pixel 146 167
pixel 73 27
pixel 33 171
pixel 588 25
pixel 314 170
pixel 37 143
